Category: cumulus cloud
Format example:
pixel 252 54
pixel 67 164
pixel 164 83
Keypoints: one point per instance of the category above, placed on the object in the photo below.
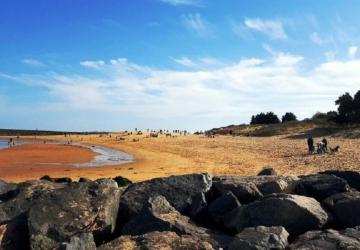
pixel 233 90
pixel 272 28
pixel 352 51
pixel 197 24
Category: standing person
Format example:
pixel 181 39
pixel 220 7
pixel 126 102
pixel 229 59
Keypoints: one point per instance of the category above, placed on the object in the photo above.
pixel 325 144
pixel 310 142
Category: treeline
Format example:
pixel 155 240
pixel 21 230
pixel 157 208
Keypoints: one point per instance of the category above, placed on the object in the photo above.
pixel 271 118
pixel 348 113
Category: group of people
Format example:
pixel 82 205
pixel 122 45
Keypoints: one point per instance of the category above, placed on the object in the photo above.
pixel 321 147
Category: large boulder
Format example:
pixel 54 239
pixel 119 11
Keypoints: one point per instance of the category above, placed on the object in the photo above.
pixel 84 241
pixel 260 238
pixel 250 188
pixel 14 235
pixel 25 196
pixel 352 177
pixel 178 190
pixel 159 215
pixel 89 207
pixel 320 186
pixel 224 204
pixel 297 214
pixel 157 240
pixel 345 209
pixel 328 239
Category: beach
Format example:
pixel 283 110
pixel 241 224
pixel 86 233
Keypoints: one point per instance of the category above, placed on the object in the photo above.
pixel 165 156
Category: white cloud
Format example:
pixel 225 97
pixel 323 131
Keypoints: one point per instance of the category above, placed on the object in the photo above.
pixel 204 62
pixel 330 55
pixel 185 61
pixel 92 64
pixel 197 24
pixel 352 51
pixel 182 2
pixel 272 28
pixel 230 91
pixel 33 63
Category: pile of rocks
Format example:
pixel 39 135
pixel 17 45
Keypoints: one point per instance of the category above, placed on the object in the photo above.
pixel 197 211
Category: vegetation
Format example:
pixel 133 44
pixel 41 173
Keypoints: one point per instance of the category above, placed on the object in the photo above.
pixel 262 118
pixel 349 108
pixel 288 117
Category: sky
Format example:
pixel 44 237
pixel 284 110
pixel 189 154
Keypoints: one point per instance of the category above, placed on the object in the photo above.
pixel 115 65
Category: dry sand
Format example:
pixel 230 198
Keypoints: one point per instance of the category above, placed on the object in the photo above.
pixel 158 157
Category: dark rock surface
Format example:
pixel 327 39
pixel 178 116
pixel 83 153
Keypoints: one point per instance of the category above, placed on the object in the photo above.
pixel 178 190
pixel 267 171
pixel 157 241
pixel 58 180
pixel 260 238
pixel 159 215
pixel 122 181
pixel 320 186
pixel 219 208
pixel 352 177
pixel 193 211
pixel 345 208
pixel 328 239
pixel 297 214
pixel 89 207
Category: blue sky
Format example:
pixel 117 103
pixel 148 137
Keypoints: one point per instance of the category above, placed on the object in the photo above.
pixel 188 64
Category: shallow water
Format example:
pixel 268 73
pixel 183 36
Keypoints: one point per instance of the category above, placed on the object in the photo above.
pixel 5 144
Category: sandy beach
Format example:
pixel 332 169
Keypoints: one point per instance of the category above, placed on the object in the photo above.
pixel 158 157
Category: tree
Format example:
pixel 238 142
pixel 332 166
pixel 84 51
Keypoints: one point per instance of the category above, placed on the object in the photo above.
pixel 346 108
pixel 288 117
pixel 262 118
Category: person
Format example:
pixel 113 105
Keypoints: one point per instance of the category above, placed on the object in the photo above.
pixel 310 142
pixel 325 144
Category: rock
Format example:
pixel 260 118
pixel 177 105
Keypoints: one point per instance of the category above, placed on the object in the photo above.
pixel 82 242
pixel 352 177
pixel 260 238
pixel 320 186
pixel 57 180
pixel 89 207
pixel 198 206
pixel 178 190
pixel 328 239
pixel 7 190
pixel 244 191
pixel 14 235
pixel 297 214
pixel 267 171
pixel 122 181
pixel 157 240
pixel 248 189
pixel 345 208
pixel 84 179
pixel 27 194
pixel 221 206
pixel 160 216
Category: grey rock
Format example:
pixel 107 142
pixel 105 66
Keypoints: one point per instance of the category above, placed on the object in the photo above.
pixel 122 181
pixel 297 214
pixel 7 190
pixel 260 238
pixel 352 177
pixel 57 180
pixel 345 208
pixel 157 241
pixel 328 239
pixel 27 194
pixel 178 190
pixel 250 188
pixel 320 186
pixel 159 215
pixel 84 241
pixel 221 206
pixel 267 171
pixel 89 207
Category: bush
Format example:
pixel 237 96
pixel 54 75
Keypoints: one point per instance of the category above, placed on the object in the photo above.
pixel 262 118
pixel 288 117
pixel 349 108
